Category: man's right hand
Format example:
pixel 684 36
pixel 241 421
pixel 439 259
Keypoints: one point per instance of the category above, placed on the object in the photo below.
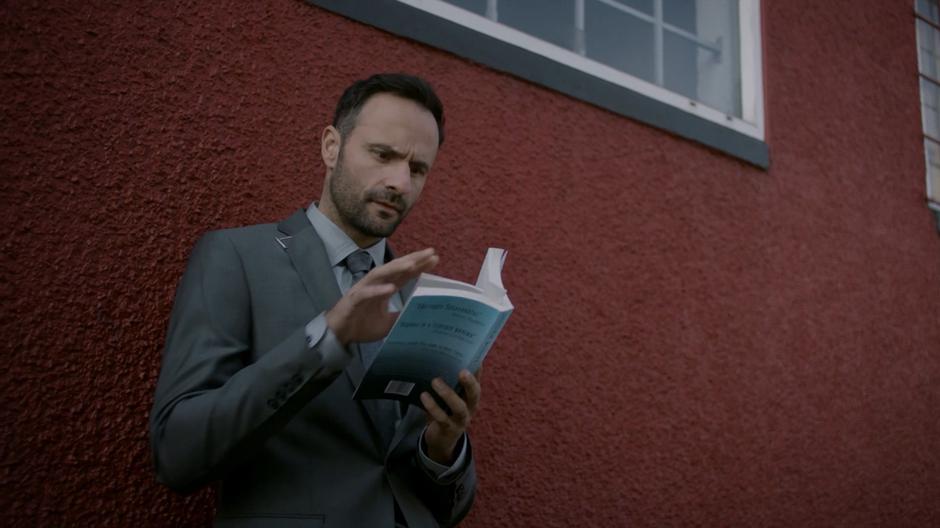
pixel 362 314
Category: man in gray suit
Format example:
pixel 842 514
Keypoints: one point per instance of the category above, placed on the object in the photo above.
pixel 274 324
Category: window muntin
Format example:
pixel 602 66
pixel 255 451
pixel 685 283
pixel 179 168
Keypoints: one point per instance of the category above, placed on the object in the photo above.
pixel 471 33
pixel 701 56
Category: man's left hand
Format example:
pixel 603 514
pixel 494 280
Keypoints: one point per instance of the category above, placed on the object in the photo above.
pixel 443 431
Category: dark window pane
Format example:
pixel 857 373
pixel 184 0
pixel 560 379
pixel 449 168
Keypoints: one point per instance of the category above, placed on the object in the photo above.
pixel 930 107
pixel 933 169
pixel 477 6
pixel 929 57
pixel 619 40
pixel 645 6
pixel 549 20
pixel 680 73
pixel 680 13
pixel 929 10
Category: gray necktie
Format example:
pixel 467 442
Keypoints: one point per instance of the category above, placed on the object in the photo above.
pixel 359 263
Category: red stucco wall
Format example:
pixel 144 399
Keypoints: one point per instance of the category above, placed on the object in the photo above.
pixel 696 341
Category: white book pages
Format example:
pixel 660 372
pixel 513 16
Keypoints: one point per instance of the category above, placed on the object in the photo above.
pixel 490 279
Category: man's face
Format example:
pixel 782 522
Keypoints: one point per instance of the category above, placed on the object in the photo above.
pixel 376 173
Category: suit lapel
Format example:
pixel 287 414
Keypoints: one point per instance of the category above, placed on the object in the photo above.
pixel 309 258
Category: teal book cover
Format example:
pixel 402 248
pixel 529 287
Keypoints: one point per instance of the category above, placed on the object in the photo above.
pixel 446 326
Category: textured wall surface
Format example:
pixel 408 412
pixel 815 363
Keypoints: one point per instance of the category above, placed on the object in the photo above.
pixel 696 341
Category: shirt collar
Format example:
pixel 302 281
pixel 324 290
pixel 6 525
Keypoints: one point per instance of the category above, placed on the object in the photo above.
pixel 338 244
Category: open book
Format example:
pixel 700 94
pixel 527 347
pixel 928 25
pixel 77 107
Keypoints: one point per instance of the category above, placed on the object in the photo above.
pixel 446 326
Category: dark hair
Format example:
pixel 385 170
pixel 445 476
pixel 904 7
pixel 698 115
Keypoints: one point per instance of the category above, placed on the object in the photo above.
pixel 406 86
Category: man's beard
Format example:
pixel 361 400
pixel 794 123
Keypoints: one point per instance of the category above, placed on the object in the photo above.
pixel 353 210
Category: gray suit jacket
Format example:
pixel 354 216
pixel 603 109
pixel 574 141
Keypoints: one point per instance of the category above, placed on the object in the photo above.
pixel 244 400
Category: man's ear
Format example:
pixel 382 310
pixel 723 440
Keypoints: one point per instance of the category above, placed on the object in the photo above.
pixel 330 145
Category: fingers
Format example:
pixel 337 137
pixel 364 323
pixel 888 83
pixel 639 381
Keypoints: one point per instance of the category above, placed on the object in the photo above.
pixel 433 409
pixel 362 314
pixel 458 407
pixel 372 292
pixel 461 410
pixel 421 256
pixel 365 297
pixel 444 431
pixel 402 269
pixel 380 294
pixel 472 389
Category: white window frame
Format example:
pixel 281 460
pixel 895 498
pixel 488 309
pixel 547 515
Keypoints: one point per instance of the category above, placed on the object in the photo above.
pixel 931 193
pixel 531 59
pixel 751 122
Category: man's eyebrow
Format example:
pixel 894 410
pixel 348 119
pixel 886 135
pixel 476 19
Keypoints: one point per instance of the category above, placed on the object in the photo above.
pixel 386 149
pixel 382 146
pixel 415 163
pixel 418 165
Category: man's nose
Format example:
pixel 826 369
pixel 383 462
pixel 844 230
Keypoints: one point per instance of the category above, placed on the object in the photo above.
pixel 398 177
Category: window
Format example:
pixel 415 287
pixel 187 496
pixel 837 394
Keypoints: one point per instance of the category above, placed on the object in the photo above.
pixel 928 61
pixel 688 47
pixel 692 67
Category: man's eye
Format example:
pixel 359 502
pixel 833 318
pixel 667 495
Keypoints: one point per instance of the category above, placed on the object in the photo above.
pixel 383 155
